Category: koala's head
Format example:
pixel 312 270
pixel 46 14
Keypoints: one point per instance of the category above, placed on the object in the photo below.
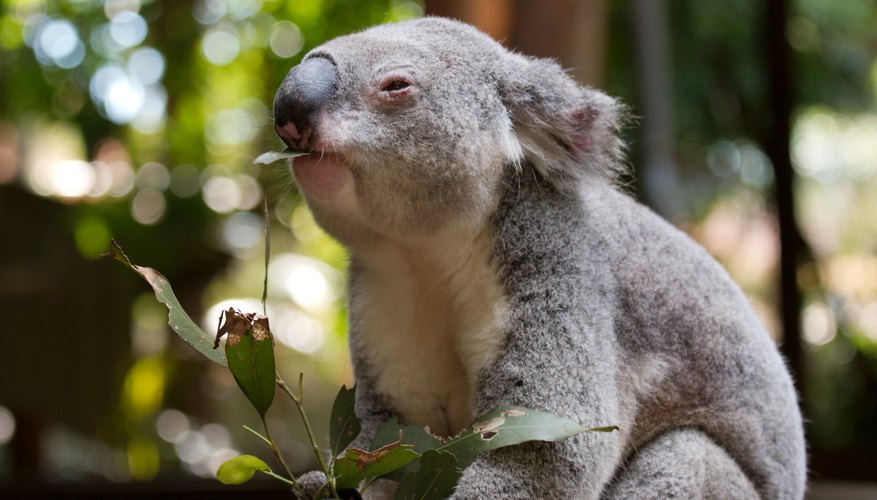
pixel 412 126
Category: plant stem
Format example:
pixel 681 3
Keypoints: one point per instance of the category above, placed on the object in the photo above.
pixel 304 418
pixel 255 433
pixel 267 217
pixel 320 491
pixel 279 477
pixel 279 457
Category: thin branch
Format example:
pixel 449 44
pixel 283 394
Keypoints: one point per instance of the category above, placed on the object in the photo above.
pixel 256 433
pixel 279 477
pixel 304 418
pixel 279 457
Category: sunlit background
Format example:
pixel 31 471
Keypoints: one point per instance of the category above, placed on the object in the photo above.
pixel 139 120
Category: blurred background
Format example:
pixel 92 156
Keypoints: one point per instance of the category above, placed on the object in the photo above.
pixel 139 119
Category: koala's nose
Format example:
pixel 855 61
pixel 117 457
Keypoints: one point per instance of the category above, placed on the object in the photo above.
pixel 305 90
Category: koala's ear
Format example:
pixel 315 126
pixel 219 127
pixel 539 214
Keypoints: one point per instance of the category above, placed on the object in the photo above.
pixel 567 131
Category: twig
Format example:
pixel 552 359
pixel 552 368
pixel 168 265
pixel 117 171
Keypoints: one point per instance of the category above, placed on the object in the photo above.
pixel 278 476
pixel 256 433
pixel 267 256
pixel 280 459
pixel 297 400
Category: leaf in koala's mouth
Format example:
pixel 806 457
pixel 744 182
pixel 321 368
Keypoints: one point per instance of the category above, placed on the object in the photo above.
pixel 275 156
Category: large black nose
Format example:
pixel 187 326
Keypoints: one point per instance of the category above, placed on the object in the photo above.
pixel 305 90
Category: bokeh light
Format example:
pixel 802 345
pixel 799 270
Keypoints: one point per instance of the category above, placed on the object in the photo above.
pixel 298 331
pixel 242 231
pixel 210 320
pixel 113 8
pixel 7 425
pixel 309 282
pixel 818 324
pixel 286 39
pixel 153 175
pixel 827 145
pixel 208 11
pixel 225 194
pixel 185 180
pixel 146 65
pixel 171 424
pixel 220 45
pixel 57 42
pixel 231 126
pixel 148 206
pixel 128 28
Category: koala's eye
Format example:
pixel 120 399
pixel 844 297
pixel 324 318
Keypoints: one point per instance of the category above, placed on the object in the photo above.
pixel 395 86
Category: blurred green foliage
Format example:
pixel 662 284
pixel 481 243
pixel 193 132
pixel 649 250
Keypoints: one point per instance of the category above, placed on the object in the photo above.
pixel 141 119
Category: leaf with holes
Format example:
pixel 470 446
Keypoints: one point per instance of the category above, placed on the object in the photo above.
pixel 357 465
pixel 344 426
pixel 509 425
pixel 250 351
pixel 418 437
pixel 178 320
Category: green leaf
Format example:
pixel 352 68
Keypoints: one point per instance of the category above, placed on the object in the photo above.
pixel 418 437
pixel 240 469
pixel 178 320
pixel 357 465
pixel 250 351
pixel 275 156
pixel 510 425
pixel 436 478
pixel 344 425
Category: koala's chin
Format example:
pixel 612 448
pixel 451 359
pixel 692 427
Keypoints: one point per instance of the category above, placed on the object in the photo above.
pixel 323 177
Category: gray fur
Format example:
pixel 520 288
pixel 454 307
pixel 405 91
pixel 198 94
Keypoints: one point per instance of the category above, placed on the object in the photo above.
pixel 614 316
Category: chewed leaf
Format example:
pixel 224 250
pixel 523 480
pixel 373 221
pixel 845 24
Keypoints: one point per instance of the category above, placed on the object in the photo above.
pixel 416 436
pixel 250 351
pixel 509 425
pixel 240 469
pixel 357 465
pixel 275 156
pixel 178 320
pixel 436 478
pixel 344 427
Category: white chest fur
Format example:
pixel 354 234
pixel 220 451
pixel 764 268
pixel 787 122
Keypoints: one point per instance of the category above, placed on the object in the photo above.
pixel 431 319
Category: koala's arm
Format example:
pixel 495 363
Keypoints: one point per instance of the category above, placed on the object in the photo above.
pixel 553 378
pixel 371 409
pixel 560 353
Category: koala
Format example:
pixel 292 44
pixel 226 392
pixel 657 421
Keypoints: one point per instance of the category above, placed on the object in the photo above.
pixel 494 260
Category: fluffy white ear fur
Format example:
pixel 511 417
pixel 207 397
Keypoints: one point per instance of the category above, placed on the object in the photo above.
pixel 567 131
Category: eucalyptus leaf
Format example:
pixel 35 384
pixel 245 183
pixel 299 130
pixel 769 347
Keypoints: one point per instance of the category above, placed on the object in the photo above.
pixel 510 425
pixel 418 437
pixel 437 477
pixel 250 351
pixel 178 320
pixel 357 464
pixel 275 156
pixel 344 426
pixel 240 469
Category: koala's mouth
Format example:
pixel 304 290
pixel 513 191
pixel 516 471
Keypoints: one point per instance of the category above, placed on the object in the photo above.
pixel 321 174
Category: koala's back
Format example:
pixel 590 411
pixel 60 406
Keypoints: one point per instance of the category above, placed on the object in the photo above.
pixel 692 352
